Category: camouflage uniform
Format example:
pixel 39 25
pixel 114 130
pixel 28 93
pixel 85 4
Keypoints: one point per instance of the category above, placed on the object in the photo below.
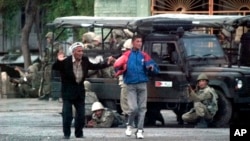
pixel 106 119
pixel 205 104
pixel 225 44
pixel 47 58
pixel 119 38
pixel 108 72
pixel 225 38
pixel 97 42
pixel 90 98
pixel 27 82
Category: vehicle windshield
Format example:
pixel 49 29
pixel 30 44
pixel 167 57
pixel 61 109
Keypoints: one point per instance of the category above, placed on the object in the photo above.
pixel 202 47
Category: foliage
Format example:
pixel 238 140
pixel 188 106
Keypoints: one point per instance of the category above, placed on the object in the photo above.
pixel 51 8
pixel 68 8
pixel 55 9
pixel 9 10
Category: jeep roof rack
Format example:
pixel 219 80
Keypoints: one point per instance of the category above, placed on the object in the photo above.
pixel 88 21
pixel 161 22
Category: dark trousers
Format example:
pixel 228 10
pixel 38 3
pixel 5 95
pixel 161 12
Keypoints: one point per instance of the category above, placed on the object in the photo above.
pixel 79 117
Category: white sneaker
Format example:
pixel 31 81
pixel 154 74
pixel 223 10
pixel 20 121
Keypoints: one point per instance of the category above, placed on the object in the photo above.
pixel 139 134
pixel 128 131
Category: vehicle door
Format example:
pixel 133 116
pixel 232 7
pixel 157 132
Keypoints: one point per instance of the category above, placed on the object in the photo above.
pixel 169 84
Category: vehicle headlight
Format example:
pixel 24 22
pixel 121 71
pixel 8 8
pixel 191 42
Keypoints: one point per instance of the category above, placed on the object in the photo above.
pixel 239 83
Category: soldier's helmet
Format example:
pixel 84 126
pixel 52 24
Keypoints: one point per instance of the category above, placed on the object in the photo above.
pixel 88 37
pixel 180 31
pixel 128 44
pixel 87 85
pixel 97 106
pixel 31 69
pixel 37 65
pixel 202 76
pixel 49 35
pixel 98 38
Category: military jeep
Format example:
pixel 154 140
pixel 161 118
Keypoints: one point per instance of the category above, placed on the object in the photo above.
pixel 181 59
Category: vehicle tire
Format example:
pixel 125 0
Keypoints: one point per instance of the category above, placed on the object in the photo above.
pixel 224 113
pixel 152 116
pixel 182 109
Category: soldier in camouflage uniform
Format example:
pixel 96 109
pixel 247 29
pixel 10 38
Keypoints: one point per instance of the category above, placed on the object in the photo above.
pixel 108 72
pixel 90 98
pixel 97 42
pixel 48 57
pixel 119 36
pixel 27 81
pixel 205 103
pixel 87 39
pixel 101 117
pixel 225 37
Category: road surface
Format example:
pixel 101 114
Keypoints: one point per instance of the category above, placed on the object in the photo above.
pixel 36 120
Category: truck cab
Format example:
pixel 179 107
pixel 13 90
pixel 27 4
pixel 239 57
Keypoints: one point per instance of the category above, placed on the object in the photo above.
pixel 182 58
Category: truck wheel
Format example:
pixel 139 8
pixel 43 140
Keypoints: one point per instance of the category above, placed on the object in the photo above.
pixel 224 113
pixel 152 116
pixel 183 108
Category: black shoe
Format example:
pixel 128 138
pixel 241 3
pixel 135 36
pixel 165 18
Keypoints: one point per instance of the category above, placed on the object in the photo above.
pixel 79 136
pixel 44 97
pixel 66 137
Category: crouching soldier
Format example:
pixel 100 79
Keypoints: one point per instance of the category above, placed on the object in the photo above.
pixel 103 117
pixel 90 98
pixel 26 82
pixel 205 103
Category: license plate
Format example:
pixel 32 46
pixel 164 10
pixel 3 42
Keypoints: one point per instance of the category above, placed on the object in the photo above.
pixel 163 84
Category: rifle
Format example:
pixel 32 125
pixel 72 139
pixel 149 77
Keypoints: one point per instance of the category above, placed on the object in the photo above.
pixel 16 82
pixel 40 90
pixel 189 86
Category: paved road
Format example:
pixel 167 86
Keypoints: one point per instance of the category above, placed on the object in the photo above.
pixel 34 120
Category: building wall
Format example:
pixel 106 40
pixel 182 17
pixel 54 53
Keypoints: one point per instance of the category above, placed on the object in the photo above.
pixel 122 8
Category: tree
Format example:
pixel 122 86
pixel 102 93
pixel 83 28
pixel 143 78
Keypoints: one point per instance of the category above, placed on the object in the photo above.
pixel 30 17
pixel 51 8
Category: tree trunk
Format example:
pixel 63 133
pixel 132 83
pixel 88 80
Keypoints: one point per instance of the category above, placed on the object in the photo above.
pixel 30 13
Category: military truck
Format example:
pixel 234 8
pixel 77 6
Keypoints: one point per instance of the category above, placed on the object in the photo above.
pixel 181 56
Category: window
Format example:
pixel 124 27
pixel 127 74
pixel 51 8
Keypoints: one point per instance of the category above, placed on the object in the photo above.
pixel 202 46
pixel 163 52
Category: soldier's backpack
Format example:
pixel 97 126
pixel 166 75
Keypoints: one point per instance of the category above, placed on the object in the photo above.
pixel 213 107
